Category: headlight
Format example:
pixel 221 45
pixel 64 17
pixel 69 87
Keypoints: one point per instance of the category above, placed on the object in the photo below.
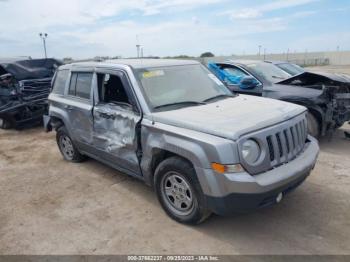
pixel 251 151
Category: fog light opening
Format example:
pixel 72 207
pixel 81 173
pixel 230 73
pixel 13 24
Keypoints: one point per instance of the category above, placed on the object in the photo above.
pixel 279 197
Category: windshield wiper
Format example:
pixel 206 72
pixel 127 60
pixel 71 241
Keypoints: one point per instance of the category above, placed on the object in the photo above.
pixel 184 103
pixel 217 97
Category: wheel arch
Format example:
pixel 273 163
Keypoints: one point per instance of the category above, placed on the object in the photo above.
pixel 56 122
pixel 158 156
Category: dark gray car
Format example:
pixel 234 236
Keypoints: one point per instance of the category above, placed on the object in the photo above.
pixel 327 96
pixel 288 67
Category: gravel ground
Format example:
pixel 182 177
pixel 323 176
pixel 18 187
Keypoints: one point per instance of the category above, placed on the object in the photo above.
pixel 49 206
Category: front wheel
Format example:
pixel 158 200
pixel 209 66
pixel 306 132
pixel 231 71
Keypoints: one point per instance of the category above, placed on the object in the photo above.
pixel 179 192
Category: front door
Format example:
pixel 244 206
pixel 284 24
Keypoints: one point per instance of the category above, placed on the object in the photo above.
pixel 116 119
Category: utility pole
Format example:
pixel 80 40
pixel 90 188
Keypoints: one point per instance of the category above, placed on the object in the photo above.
pixel 305 58
pixel 43 36
pixel 137 46
pixel 260 50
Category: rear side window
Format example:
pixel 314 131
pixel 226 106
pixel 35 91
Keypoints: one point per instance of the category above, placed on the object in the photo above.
pixel 60 82
pixel 80 85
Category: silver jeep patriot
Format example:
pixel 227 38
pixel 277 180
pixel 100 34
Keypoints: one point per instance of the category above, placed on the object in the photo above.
pixel 174 125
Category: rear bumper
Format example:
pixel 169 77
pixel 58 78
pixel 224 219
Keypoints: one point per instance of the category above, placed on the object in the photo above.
pixel 47 123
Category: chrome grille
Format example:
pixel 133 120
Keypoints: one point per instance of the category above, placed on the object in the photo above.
pixel 280 144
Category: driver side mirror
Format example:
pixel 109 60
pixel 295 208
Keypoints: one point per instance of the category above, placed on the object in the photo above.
pixel 248 82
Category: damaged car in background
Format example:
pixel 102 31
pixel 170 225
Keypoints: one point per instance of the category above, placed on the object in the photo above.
pixel 288 67
pixel 327 96
pixel 175 126
pixel 24 88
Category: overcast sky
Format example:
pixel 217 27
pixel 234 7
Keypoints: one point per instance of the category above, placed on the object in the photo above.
pixel 88 28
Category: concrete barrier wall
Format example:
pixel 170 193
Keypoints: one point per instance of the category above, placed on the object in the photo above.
pixel 303 59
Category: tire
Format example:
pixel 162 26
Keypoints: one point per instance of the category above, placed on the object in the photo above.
pixel 179 192
pixel 5 124
pixel 313 126
pixel 66 146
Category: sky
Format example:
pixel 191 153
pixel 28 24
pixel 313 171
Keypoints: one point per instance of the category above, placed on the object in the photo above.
pixel 89 28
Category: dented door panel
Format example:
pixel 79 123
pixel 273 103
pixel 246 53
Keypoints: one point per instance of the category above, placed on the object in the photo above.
pixel 115 134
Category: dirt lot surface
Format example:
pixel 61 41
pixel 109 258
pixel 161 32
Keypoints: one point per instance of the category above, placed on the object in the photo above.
pixel 49 206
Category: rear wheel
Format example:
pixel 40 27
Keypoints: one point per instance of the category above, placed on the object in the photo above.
pixel 179 192
pixel 313 126
pixel 66 146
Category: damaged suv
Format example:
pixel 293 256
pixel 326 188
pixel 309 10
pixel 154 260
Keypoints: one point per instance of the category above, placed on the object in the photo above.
pixel 327 96
pixel 24 88
pixel 175 126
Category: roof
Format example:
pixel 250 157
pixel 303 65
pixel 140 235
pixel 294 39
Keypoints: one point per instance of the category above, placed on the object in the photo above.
pixel 244 62
pixel 276 62
pixel 136 63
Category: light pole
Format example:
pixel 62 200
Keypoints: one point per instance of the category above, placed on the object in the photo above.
pixel 43 36
pixel 259 50
pixel 138 46
pixel 141 52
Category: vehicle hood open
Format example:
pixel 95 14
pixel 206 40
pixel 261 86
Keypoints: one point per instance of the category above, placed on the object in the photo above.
pixel 317 80
pixel 30 68
pixel 232 117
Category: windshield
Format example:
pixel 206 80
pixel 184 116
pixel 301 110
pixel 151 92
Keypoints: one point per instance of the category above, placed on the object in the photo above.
pixel 269 71
pixel 291 69
pixel 187 85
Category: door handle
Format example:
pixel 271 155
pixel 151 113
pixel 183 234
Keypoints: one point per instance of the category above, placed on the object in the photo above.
pixel 68 107
pixel 107 116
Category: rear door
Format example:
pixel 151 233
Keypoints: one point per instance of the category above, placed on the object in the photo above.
pixel 116 118
pixel 79 106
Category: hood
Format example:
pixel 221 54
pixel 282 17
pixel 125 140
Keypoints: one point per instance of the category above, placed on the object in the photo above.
pixel 29 69
pixel 316 79
pixel 232 117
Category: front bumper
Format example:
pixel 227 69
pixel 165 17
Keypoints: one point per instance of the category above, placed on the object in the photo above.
pixel 239 202
pixel 227 193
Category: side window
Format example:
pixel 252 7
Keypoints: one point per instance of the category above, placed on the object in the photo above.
pixel 60 82
pixel 235 71
pixel 72 84
pixel 111 89
pixel 80 85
